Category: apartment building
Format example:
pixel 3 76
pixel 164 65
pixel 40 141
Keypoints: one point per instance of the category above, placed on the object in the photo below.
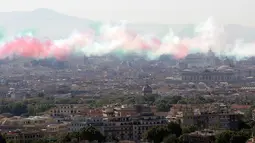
pixel 121 128
pixel 23 137
pixel 57 128
pixel 79 122
pixel 145 121
pixel 215 116
pixel 66 109
pixel 212 120
pixel 33 122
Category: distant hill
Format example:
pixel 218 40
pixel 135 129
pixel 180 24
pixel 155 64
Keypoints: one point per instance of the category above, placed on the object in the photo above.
pixel 45 21
pixel 51 24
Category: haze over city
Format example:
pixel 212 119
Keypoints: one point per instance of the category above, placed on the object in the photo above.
pixel 154 11
pixel 127 71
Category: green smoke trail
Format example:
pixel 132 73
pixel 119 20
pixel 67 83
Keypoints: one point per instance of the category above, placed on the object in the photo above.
pixel 2 33
pixel 120 53
pixel 96 26
pixel 27 32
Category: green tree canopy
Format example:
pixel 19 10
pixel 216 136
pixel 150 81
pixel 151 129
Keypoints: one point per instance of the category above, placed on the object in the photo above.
pixel 171 139
pixel 158 133
pixel 91 134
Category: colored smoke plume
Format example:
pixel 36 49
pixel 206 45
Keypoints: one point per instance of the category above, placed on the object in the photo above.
pixel 104 39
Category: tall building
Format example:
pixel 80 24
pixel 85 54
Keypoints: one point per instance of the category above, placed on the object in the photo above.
pixel 147 90
pixel 85 60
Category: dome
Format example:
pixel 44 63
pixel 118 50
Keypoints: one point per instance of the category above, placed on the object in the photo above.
pixel 191 83
pixel 224 68
pixel 229 70
pixel 187 70
pixel 147 88
pixel 201 83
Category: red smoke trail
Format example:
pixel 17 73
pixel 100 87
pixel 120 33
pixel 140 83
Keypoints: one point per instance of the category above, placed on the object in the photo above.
pixel 156 41
pixel 31 47
pixel 182 51
pixel 61 49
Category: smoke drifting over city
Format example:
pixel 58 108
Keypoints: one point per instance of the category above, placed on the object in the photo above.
pixel 118 39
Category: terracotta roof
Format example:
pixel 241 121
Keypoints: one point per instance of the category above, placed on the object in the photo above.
pixel 235 106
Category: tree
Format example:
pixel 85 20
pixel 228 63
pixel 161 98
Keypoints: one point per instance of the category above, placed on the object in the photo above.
pixel 245 134
pixel 174 128
pixel 76 135
pixel 41 94
pixel 156 134
pixel 238 139
pixel 188 129
pixel 2 139
pixel 243 125
pixel 150 99
pixel 175 99
pixel 233 137
pixel 163 105
pixel 17 108
pixel 40 141
pixel 65 138
pixel 92 134
pixel 171 139
pixel 224 137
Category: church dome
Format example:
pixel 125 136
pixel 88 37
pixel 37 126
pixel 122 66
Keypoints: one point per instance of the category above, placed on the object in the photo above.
pixel 147 89
pixel 224 68
pixel 187 70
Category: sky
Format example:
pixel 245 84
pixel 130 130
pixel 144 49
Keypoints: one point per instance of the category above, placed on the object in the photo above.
pixel 155 11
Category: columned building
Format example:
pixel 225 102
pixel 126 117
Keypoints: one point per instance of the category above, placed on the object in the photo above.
pixel 221 74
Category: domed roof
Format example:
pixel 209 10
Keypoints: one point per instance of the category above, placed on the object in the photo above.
pixel 147 88
pixel 224 68
pixel 191 83
pixel 201 83
pixel 187 70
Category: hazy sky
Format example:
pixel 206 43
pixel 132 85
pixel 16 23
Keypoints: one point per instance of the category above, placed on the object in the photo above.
pixel 157 11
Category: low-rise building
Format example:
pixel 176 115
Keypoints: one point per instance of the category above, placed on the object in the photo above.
pixel 24 136
pixel 65 109
pixel 214 116
pixel 204 136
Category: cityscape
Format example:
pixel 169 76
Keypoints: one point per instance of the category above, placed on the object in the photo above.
pixel 130 100
pixel 71 73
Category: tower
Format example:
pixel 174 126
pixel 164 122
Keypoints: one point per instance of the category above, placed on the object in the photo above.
pixel 85 60
pixel 211 57
pixel 147 90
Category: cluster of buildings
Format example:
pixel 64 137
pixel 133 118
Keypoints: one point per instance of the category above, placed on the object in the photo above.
pixel 206 116
pixel 209 68
pixel 123 123
pixel 95 77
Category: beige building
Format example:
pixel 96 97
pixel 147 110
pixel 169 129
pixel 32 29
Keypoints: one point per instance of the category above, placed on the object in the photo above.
pixel 56 129
pixel 221 74
pixel 24 137
pixel 66 109
pixel 133 127
pixel 33 122
pixel 214 116
pixel 80 122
